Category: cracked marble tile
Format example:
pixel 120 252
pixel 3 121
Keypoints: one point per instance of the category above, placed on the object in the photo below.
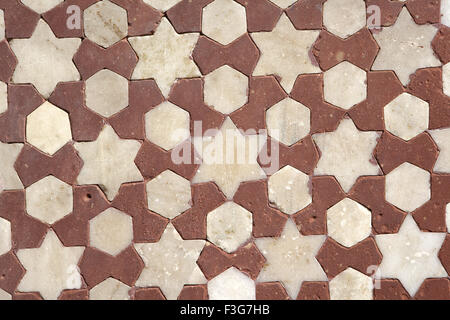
pixel 105 23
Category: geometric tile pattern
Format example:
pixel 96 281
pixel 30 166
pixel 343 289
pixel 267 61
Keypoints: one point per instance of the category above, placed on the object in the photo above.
pixel 224 149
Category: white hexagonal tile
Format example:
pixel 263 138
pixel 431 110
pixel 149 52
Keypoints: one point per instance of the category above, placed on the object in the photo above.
pixel 106 93
pixel 5 236
pixel 408 187
pixel 169 194
pixel 167 125
pixel 344 17
pixel 111 231
pixel 48 128
pixel 288 121
pixel 229 226
pixel 226 89
pixel 351 285
pixel 105 23
pixel 162 5
pixel 345 85
pixel 447 217
pixel 446 77
pixel 232 285
pixel 406 116
pixel 4 295
pixel 289 190
pixel 110 289
pixel 283 3
pixel 49 199
pixel 348 222
pixel 224 21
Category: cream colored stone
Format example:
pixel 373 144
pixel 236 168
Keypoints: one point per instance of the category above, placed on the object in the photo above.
pixel 351 285
pixel 108 161
pixel 4 295
pixel 345 85
pixel 344 17
pixel 231 285
pixel 446 78
pixel 229 226
pixel 405 47
pixel 445 12
pixel 49 199
pixel 45 60
pixel 289 190
pixel 169 194
pixel 442 139
pixel 229 158
pixel 2 25
pixel 111 231
pixel 3 97
pixel 48 128
pixel 165 56
pixel 406 116
pixel 226 89
pixel 51 268
pixel 170 263
pixel 106 93
pixel 105 23
pixel 411 255
pixel 283 3
pixel 167 125
pixel 291 259
pixel 288 121
pixel 41 6
pixel 162 5
pixel 348 222
pixel 9 180
pixel 285 52
pixel 224 21
pixel 447 217
pixel 408 187
pixel 5 236
pixel 347 153
pixel 110 289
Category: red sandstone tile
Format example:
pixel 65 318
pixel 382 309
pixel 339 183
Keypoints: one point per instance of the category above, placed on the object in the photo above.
pixel 142 18
pixel 441 44
pixel 11 272
pixel 186 16
pixel 262 15
pixel 148 294
pixel 306 14
pixel 390 289
pixel 20 21
pixel 271 291
pixel 314 291
pixel 195 292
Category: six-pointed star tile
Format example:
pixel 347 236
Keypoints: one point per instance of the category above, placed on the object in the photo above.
pixel 285 52
pixel 411 255
pixel 165 56
pixel 51 268
pixel 224 162
pixel 45 60
pixel 347 153
pixel 405 47
pixel 170 263
pixel 291 259
pixel 108 161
